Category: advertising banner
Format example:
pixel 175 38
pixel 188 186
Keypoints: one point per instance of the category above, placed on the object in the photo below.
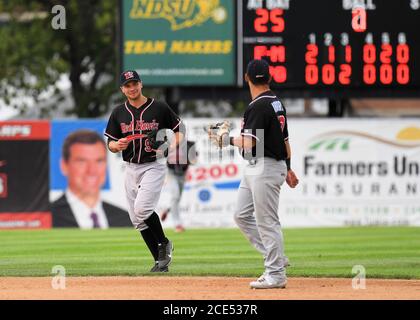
pixel 24 178
pixel 351 171
pixel 354 172
pixel 81 182
pixel 182 42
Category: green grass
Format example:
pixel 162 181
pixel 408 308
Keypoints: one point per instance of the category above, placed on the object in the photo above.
pixel 330 252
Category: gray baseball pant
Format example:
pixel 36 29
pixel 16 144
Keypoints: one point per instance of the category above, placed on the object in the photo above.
pixel 176 183
pixel 143 185
pixel 259 194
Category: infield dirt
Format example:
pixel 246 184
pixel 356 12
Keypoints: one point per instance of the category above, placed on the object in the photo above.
pixel 202 288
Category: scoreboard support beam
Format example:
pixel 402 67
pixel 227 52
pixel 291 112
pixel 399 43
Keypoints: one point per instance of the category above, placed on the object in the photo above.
pixel 338 108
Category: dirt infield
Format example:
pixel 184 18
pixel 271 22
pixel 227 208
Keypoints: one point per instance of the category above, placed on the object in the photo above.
pixel 202 288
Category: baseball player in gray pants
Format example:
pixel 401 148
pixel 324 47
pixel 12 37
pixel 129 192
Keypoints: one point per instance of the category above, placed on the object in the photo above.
pixel 264 143
pixel 135 129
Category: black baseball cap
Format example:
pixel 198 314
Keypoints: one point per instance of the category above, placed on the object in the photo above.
pixel 258 71
pixel 129 75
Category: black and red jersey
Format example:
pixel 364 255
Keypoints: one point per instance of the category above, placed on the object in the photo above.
pixel 265 120
pixel 126 120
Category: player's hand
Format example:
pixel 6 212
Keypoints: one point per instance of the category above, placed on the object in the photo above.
pixel 291 179
pixel 121 144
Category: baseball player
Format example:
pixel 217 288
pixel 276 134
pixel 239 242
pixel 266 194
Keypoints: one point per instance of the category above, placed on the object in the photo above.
pixel 178 163
pixel 264 142
pixel 135 128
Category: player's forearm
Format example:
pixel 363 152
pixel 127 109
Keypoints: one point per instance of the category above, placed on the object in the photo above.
pixel 289 154
pixel 243 142
pixel 113 147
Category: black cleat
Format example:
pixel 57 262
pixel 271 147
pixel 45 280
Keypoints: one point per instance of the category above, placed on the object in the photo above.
pixel 165 254
pixel 157 269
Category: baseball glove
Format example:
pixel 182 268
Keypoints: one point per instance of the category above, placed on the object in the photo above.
pixel 219 133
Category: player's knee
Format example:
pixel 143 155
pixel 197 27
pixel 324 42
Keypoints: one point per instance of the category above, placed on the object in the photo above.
pixel 144 212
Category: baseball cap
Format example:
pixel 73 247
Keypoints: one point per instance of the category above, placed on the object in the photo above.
pixel 129 75
pixel 258 71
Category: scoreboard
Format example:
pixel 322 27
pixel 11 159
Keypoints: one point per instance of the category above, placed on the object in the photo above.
pixel 340 47
pixel 337 48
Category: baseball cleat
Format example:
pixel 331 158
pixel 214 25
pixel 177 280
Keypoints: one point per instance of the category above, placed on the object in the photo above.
pixel 165 254
pixel 285 265
pixel 157 269
pixel 154 268
pixel 264 282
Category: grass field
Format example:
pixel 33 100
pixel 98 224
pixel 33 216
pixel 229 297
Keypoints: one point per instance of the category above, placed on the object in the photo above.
pixel 384 252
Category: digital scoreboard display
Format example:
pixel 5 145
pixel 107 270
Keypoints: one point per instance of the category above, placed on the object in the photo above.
pixel 341 47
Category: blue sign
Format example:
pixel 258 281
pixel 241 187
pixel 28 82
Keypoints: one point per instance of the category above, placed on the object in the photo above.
pixel 60 129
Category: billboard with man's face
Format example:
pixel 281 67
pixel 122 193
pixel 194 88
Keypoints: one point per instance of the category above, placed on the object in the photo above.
pixel 80 179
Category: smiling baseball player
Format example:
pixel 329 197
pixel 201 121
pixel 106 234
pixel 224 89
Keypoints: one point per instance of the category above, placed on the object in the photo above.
pixel 134 129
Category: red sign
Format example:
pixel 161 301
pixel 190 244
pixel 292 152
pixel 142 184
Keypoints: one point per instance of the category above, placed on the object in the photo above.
pixel 25 130
pixel 33 220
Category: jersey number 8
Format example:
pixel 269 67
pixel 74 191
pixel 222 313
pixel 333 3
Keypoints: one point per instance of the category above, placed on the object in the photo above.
pixel 147 147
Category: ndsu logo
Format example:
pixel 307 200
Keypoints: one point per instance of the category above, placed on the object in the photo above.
pixel 181 14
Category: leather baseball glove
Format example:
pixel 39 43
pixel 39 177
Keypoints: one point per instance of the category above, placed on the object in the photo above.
pixel 219 133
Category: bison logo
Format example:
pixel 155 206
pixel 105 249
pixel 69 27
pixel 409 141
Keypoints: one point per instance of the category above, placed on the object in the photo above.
pixel 181 14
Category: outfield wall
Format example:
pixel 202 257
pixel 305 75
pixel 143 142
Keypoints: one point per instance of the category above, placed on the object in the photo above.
pixel 352 172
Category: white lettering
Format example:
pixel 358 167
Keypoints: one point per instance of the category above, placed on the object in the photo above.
pixel 15 130
pixel 278 4
pixel 59 21
pixel 173 310
pixel 359 281
pixel 59 281
pixel 364 4
pixel 254 4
